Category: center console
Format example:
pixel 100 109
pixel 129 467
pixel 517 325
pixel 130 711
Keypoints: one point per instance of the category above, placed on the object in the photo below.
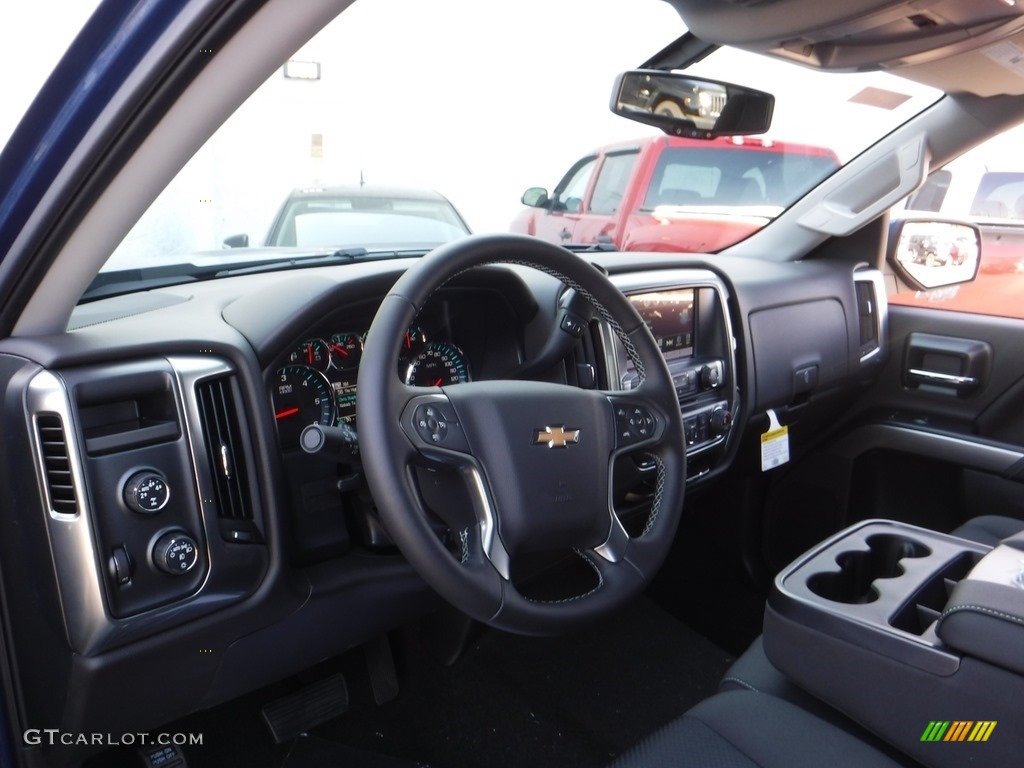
pixel 690 322
pixel 909 632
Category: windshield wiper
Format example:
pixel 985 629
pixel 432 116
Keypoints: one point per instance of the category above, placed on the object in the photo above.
pixel 343 255
pixel 590 247
pixel 115 283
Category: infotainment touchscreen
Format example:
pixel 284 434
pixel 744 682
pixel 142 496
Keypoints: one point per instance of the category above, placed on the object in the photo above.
pixel 670 317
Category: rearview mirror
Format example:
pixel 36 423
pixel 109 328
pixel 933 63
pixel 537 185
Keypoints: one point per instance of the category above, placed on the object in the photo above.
pixel 683 105
pixel 930 253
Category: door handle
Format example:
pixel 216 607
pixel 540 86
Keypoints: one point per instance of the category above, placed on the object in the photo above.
pixel 945 363
pixel 944 378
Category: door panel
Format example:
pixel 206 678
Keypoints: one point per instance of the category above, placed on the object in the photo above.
pixel 943 452
pixel 914 451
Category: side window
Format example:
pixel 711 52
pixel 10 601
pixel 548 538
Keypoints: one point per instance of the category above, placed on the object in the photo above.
pixel 984 186
pixel 571 189
pixel 611 182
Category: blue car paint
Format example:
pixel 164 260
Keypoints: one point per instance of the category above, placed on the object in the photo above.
pixel 112 43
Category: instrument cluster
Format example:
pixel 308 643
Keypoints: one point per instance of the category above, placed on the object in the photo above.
pixel 317 385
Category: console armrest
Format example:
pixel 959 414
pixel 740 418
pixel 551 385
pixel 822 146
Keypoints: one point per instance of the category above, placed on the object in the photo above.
pixel 984 617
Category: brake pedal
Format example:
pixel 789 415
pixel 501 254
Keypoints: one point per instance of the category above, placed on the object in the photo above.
pixel 307 708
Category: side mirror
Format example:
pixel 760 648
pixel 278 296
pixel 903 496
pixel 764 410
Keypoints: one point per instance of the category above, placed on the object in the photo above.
pixel 934 253
pixel 236 241
pixel 683 105
pixel 535 197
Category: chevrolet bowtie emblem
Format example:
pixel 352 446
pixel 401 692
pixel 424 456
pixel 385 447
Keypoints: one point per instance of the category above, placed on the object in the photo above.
pixel 556 437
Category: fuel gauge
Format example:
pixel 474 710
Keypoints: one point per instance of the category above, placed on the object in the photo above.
pixel 415 337
pixel 313 353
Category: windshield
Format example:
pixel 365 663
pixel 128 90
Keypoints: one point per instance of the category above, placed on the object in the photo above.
pixel 469 123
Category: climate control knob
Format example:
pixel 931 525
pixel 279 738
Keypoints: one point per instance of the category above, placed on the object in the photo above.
pixel 721 420
pixel 146 492
pixel 176 553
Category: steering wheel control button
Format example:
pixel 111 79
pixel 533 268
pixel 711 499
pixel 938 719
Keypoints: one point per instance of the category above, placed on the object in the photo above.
pixel 633 424
pixel 175 553
pixel 431 424
pixel 641 423
pixel 434 423
pixel 146 492
pixel 572 325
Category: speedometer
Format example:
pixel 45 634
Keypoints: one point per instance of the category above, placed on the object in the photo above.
pixel 302 396
pixel 438 364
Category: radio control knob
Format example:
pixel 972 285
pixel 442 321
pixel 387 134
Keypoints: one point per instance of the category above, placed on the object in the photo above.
pixel 721 420
pixel 175 553
pixel 711 376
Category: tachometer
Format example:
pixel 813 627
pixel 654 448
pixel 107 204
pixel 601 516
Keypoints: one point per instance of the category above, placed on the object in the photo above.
pixel 302 396
pixel 438 364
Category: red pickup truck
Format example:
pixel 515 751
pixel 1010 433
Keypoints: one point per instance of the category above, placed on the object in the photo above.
pixel 664 193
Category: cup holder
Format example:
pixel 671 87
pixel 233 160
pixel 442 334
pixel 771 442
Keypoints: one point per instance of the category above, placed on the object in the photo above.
pixel 858 570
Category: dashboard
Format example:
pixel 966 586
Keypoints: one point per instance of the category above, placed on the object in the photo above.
pixel 318 385
pixel 178 508
pixel 462 336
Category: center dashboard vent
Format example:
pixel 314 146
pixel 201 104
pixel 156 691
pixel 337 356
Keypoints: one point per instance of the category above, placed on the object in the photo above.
pixel 57 464
pixel 226 449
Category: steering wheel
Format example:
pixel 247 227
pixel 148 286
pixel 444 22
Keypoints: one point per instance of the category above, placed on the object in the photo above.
pixel 536 457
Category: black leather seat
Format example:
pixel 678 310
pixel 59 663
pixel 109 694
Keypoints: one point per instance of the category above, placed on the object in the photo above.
pixel 741 729
pixel 989 529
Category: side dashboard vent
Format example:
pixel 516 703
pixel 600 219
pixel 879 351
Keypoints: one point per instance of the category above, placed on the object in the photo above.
pixel 869 314
pixel 225 447
pixel 57 463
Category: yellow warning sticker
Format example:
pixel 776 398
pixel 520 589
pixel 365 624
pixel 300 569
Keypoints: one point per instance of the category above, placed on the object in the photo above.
pixel 774 444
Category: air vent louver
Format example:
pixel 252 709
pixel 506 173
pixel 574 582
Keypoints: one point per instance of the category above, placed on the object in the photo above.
pixel 867 309
pixel 225 447
pixel 59 478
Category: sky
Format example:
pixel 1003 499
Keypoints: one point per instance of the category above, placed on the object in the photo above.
pixel 477 100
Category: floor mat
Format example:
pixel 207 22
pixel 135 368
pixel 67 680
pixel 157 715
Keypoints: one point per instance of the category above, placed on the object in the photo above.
pixel 313 752
pixel 573 701
pixel 576 700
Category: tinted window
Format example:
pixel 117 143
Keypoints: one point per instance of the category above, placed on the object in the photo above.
pixel 611 182
pixel 1000 195
pixel 719 176
pixel 575 186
